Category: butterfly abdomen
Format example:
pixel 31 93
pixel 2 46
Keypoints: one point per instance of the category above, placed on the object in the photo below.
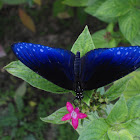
pixel 77 65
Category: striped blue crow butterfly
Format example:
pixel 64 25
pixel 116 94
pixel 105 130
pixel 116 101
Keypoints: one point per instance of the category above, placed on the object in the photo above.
pixel 95 69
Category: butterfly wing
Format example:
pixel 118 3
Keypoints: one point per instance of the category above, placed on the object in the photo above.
pixel 53 64
pixel 103 66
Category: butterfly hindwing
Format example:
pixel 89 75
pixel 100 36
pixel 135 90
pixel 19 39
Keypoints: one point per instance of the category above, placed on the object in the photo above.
pixel 53 64
pixel 103 66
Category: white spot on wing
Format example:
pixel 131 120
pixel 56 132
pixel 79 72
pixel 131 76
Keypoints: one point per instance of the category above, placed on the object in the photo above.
pixel 135 50
pixel 126 53
pixel 41 50
pixel 21 47
pixel 118 52
pixel 30 44
pixel 18 49
pixel 34 50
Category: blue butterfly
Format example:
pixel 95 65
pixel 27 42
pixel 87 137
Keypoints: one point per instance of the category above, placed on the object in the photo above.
pixel 95 69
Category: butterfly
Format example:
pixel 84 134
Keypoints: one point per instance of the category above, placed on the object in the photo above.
pixel 95 69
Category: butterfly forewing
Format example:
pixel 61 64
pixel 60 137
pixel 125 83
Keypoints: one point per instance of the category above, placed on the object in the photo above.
pixel 53 64
pixel 103 66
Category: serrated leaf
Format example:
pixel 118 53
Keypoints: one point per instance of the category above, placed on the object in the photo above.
pixel 76 3
pixel 133 105
pixel 93 115
pixel 133 86
pixel 84 43
pixel 119 135
pixel 92 8
pixel 118 113
pixel 113 8
pixel 134 127
pixel 14 2
pixel 136 40
pixel 27 20
pixel 117 88
pixel 96 130
pixel 130 24
pixel 56 117
pixel 109 108
pixel 100 40
pixel 18 69
pixel 38 2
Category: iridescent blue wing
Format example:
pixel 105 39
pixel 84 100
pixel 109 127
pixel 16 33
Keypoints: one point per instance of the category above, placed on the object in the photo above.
pixel 53 64
pixel 103 66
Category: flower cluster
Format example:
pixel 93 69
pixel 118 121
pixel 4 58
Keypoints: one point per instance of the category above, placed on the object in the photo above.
pixel 73 114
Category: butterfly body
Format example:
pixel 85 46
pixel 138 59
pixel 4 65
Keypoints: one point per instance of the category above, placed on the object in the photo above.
pixel 95 69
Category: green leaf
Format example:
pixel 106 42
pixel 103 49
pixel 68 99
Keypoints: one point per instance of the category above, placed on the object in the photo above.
pixel 117 88
pixel 113 8
pixel 96 130
pixel 21 90
pixel 84 43
pixel 119 112
pixel 133 120
pixel 81 15
pixel 29 137
pixel 93 115
pixel 18 69
pixel 8 118
pixel 133 86
pixel 130 24
pixel 119 135
pixel 109 108
pixel 1 4
pixel 56 117
pixel 134 127
pixel 91 9
pixel 58 7
pixel 133 105
pixel 75 3
pixel 13 2
pixel 136 40
pixel 100 40
pixel 88 96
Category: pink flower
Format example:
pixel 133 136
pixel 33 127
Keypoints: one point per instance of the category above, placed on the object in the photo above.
pixel 73 114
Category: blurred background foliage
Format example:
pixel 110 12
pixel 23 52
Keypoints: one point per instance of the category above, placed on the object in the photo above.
pixel 54 23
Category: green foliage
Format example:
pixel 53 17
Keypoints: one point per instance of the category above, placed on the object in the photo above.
pixel 118 113
pixel 124 12
pixel 96 129
pixel 120 119
pixel 18 69
pixel 14 2
pixel 84 43
pixel 76 3
pixel 56 117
